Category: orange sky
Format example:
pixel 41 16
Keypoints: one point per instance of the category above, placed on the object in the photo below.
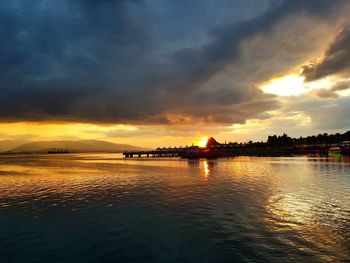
pixel 238 74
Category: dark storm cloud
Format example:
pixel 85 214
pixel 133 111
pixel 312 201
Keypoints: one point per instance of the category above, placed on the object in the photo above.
pixel 336 59
pixel 133 61
pixel 225 44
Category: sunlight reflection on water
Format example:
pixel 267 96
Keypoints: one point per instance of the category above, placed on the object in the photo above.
pixel 96 207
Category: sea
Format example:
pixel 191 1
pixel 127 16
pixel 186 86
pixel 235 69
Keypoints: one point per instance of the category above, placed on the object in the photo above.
pixel 104 208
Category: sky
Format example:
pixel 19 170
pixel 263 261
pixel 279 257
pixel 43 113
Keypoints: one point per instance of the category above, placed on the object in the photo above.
pixel 164 73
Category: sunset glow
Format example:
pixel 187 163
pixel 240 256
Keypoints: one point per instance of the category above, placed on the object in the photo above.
pixel 188 83
pixel 202 142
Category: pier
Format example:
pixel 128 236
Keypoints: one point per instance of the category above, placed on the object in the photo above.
pixel 169 152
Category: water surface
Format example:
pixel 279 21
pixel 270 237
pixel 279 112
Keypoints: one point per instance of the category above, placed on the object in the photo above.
pixel 102 208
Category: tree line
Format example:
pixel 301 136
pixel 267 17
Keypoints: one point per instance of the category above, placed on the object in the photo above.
pixel 285 140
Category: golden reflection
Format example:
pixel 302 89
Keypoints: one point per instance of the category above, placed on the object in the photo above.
pixel 206 169
pixel 296 205
pixel 208 166
pixel 39 176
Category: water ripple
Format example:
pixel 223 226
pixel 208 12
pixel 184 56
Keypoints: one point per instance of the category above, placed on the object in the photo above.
pixel 100 207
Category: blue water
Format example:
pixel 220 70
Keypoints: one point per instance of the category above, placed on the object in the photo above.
pixel 102 208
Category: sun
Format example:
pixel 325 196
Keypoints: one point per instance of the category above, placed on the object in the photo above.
pixel 202 142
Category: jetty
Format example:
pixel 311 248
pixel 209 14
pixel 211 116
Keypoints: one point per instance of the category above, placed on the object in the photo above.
pixel 169 152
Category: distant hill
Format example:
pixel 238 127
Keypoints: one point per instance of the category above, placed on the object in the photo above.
pixel 73 146
pixel 6 145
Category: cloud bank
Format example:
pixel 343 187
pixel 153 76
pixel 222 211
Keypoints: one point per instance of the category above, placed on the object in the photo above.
pixel 336 60
pixel 154 62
